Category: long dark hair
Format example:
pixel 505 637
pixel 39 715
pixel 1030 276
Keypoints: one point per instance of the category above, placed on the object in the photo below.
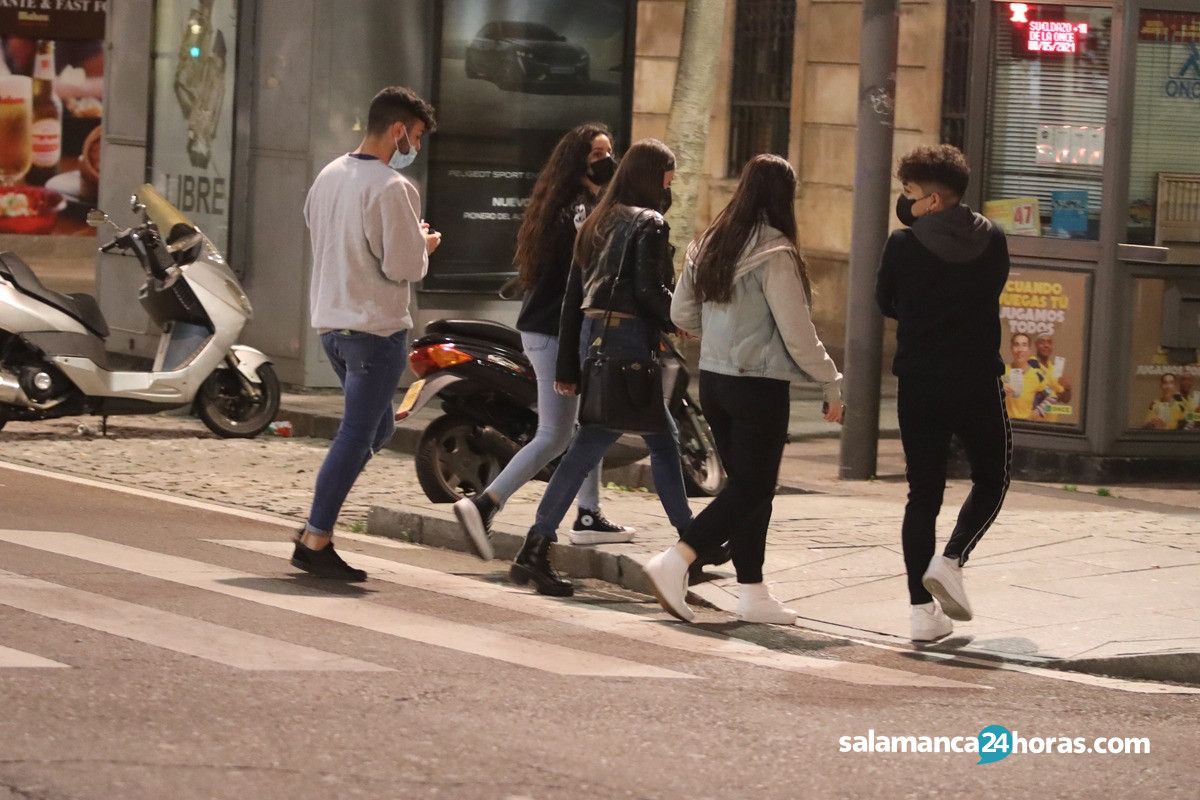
pixel 638 182
pixel 766 193
pixel 557 184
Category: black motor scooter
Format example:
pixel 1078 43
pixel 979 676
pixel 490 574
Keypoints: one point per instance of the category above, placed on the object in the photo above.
pixel 488 392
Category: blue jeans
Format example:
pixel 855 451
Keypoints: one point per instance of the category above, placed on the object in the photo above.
pixel 369 368
pixel 556 426
pixel 631 338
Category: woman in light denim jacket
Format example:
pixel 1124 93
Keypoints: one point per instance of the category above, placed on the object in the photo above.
pixel 745 292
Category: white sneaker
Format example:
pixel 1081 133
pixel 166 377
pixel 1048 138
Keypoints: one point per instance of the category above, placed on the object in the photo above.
pixel 944 580
pixel 601 537
pixel 757 604
pixel 668 574
pixel 929 623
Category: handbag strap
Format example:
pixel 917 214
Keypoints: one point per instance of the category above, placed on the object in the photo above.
pixel 613 292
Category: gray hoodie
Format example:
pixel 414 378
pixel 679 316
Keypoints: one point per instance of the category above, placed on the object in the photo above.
pixel 766 330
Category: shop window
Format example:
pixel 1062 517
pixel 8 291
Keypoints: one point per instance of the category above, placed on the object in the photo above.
pixel 1164 385
pixel 761 104
pixel 956 72
pixel 1164 175
pixel 1047 104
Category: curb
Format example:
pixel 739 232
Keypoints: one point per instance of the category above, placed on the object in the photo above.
pixel 433 528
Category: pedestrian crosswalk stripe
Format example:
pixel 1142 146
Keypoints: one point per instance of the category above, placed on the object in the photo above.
pixel 618 623
pixel 167 630
pixel 17 658
pixel 356 612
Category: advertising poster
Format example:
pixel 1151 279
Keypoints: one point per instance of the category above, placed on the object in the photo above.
pixel 192 126
pixel 1044 320
pixel 513 77
pixel 1018 216
pixel 51 105
pixel 1164 389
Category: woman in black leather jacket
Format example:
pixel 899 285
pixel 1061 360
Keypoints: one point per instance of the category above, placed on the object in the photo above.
pixel 622 268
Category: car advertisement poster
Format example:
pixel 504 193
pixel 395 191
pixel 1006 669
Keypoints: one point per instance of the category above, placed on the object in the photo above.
pixel 51 106
pixel 192 125
pixel 1043 323
pixel 513 77
pixel 1164 389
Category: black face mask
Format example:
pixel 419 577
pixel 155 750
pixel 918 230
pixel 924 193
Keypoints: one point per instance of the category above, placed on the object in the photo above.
pixel 601 172
pixel 665 205
pixel 904 211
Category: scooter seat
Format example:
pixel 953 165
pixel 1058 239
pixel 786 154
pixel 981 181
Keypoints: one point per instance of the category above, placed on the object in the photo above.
pixel 80 307
pixel 483 329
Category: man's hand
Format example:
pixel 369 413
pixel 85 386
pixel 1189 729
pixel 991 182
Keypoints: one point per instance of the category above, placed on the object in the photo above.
pixel 566 389
pixel 834 412
pixel 432 240
pixel 682 334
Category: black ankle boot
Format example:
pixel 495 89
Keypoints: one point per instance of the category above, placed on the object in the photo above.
pixel 533 564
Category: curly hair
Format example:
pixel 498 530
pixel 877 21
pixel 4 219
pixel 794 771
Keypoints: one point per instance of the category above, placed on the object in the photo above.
pixel 942 165
pixel 557 184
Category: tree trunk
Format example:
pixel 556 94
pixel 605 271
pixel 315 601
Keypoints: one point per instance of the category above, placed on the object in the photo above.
pixel 691 106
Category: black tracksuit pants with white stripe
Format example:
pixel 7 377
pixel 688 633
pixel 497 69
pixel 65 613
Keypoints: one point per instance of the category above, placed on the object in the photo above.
pixel 931 410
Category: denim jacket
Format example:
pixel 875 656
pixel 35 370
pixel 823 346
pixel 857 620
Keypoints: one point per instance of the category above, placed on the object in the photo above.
pixel 766 330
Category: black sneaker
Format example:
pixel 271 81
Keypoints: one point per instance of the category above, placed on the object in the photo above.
pixel 592 527
pixel 325 563
pixel 475 515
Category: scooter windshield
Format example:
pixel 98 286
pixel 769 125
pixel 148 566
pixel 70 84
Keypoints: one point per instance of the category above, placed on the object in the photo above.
pixel 169 219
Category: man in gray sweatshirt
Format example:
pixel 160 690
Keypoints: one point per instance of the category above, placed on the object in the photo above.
pixel 368 245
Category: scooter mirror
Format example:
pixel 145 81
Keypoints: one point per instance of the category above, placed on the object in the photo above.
pixel 97 218
pixel 135 205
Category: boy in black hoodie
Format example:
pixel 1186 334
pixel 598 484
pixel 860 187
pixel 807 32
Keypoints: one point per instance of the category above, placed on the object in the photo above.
pixel 941 279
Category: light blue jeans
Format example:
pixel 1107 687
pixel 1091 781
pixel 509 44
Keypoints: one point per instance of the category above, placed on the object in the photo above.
pixel 556 428
pixel 632 338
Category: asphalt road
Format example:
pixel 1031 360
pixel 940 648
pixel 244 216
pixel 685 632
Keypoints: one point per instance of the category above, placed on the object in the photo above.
pixel 152 648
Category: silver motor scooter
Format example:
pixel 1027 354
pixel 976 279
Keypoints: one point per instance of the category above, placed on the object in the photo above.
pixel 53 362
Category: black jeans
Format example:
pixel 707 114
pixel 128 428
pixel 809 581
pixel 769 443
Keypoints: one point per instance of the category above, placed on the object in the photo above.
pixel 749 420
pixel 932 410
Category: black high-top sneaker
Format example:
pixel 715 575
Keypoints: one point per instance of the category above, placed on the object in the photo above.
pixel 592 527
pixel 475 515
pixel 533 564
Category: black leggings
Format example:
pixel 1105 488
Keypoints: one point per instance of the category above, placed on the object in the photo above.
pixel 749 420
pixel 931 411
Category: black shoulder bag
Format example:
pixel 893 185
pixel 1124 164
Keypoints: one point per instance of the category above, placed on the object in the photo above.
pixel 623 394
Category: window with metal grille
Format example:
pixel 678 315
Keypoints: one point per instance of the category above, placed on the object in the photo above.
pixel 956 71
pixel 761 103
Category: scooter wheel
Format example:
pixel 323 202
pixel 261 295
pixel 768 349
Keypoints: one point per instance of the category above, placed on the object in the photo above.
pixel 224 405
pixel 450 461
pixel 703 473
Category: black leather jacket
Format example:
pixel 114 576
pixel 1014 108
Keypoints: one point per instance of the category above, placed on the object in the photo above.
pixel 639 250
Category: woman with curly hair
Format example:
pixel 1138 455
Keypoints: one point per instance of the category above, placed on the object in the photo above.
pixel 565 193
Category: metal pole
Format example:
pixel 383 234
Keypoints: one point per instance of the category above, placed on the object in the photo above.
pixel 872 191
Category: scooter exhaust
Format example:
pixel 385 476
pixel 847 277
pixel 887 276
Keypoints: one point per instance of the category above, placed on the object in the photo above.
pixel 11 392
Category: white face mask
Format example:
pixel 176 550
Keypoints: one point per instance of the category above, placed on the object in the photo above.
pixel 403 160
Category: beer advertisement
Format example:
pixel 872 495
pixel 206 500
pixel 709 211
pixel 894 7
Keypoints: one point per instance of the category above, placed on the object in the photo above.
pixel 1164 387
pixel 1043 323
pixel 51 105
pixel 192 129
